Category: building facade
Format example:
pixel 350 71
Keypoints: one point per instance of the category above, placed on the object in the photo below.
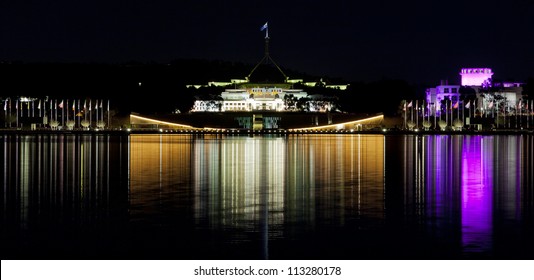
pixel 490 96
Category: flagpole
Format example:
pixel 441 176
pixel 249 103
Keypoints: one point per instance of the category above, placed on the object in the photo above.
pixel 5 113
pixel 440 113
pixel 405 108
pixel 96 107
pixel 446 113
pixel 90 116
pixel 78 114
pixel 17 109
pixel 531 110
pixel 63 113
pixel 411 111
pixel 101 111
pixel 428 113
pixel 416 114
pixel 463 113
pixel 109 120
pixel 10 111
pixel 458 109
pixel 516 107
pixel 504 115
pixel 435 114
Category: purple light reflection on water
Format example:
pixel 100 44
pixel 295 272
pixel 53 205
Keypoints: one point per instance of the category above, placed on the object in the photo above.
pixel 477 194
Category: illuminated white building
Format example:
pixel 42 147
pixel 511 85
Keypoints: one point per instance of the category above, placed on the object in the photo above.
pixel 268 98
pixel 246 96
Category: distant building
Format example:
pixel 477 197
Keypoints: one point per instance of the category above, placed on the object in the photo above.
pixel 250 99
pixel 263 95
pixel 489 95
pixel 443 92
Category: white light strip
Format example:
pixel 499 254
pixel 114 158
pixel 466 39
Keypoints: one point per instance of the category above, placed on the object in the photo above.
pixel 161 122
pixel 338 124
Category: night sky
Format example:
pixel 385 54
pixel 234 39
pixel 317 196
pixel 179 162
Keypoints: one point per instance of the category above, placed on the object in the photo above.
pixel 417 41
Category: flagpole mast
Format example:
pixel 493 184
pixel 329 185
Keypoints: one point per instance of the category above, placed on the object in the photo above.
pixel 17 109
pixel 458 109
pixel 101 110
pixel 5 113
pixel 405 108
pixel 78 114
pixel 446 113
pixel 10 111
pixel 109 121
pixel 463 113
pixel 435 114
pixel 416 114
pixel 96 107
pixel 531 109
pixel 63 113
pixel 516 107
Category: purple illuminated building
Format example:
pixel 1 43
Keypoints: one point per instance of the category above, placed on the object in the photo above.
pixel 490 96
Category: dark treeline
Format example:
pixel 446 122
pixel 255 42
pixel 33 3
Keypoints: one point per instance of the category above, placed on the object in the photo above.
pixel 161 88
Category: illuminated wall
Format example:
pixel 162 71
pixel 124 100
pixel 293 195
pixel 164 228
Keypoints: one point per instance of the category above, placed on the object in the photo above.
pixel 475 76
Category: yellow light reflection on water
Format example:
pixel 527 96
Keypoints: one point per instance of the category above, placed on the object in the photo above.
pixel 250 182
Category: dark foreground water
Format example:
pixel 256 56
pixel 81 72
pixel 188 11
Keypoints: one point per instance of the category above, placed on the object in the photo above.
pixel 267 197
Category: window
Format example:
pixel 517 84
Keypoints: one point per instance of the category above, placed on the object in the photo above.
pixel 446 90
pixel 454 90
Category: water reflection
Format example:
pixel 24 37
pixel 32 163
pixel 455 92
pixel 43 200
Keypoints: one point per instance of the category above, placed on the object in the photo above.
pixel 261 188
pixel 477 194
pixel 268 196
pixel 471 190
pixel 57 186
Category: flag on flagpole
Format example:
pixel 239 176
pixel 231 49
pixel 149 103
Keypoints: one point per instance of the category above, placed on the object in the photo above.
pixel 265 26
pixel 456 105
pixel 89 105
pixel 410 104
pixel 468 104
pixel 108 104
pixel 490 105
pixel 73 105
pixel 39 105
pixel 61 104
pixel 101 101
pixel 5 105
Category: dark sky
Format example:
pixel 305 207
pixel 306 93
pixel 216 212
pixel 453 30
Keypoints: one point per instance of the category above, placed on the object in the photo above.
pixel 418 41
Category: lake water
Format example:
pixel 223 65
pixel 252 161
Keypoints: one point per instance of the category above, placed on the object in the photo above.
pixel 267 197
